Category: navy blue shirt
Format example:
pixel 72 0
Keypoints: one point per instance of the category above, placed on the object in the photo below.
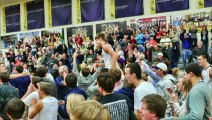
pixel 186 42
pixel 128 92
pixel 62 109
pixel 76 90
pixel 61 89
pixel 21 83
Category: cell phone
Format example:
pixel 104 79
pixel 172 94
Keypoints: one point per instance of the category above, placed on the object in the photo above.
pixel 169 90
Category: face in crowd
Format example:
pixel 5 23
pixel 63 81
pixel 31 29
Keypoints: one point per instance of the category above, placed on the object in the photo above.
pixel 3 68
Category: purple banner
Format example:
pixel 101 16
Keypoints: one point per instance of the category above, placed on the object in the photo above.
pixel 35 14
pixel 92 10
pixel 208 3
pixel 12 14
pixel 127 8
pixel 171 5
pixel 64 7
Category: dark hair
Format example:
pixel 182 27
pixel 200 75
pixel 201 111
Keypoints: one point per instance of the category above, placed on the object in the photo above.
pixel 194 68
pixel 19 69
pixel 155 104
pixel 130 60
pixel 41 72
pixel 135 68
pixel 204 56
pixel 106 81
pixel 85 71
pixel 35 80
pixel 4 77
pixel 15 108
pixel 116 73
pixel 47 87
pixel 71 80
pixel 100 35
pixel 104 70
pixel 151 36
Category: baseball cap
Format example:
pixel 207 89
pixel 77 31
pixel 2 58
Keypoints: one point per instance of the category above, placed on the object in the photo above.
pixel 160 54
pixel 161 66
pixel 44 48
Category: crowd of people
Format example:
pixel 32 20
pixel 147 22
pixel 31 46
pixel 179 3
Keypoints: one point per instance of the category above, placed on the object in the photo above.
pixel 127 75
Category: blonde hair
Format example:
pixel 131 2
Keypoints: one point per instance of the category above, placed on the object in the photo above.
pixel 186 86
pixel 73 100
pixel 90 110
pixel 175 71
pixel 210 73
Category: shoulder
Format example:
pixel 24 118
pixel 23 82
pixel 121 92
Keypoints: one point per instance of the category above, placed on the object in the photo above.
pixel 120 95
pixel 79 91
pixel 106 46
pixel 39 104
pixel 200 89
pixel 143 85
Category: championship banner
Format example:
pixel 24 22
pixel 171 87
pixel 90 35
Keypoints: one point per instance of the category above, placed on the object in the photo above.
pixel 128 8
pixel 152 6
pixel 198 19
pixel 200 4
pixel 35 14
pixel 148 23
pixel 49 13
pixel 12 14
pixel 110 27
pixel 78 13
pixel 92 10
pixel 61 12
pixel 3 26
pixel 208 3
pixel 85 31
pixel 9 41
pixel 171 5
pixel 112 9
pixel 25 17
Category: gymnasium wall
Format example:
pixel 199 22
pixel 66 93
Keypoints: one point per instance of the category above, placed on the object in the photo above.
pixel 193 7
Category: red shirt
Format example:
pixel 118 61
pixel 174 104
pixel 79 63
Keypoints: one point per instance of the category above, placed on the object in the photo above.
pixel 132 41
pixel 79 41
pixel 18 63
pixel 152 42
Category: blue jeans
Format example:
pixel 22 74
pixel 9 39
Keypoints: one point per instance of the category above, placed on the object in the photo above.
pixel 34 53
pixel 186 55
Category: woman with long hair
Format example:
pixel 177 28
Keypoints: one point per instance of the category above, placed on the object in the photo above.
pixel 204 37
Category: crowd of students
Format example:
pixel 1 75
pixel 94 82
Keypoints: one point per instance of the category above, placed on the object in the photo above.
pixel 127 75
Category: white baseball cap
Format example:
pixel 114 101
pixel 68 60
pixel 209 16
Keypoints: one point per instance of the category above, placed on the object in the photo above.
pixel 160 54
pixel 161 66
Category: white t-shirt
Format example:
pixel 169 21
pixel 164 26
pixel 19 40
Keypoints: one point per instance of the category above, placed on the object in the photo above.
pixel 165 40
pixel 49 111
pixel 28 101
pixel 121 54
pixel 50 77
pixel 107 58
pixel 143 89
